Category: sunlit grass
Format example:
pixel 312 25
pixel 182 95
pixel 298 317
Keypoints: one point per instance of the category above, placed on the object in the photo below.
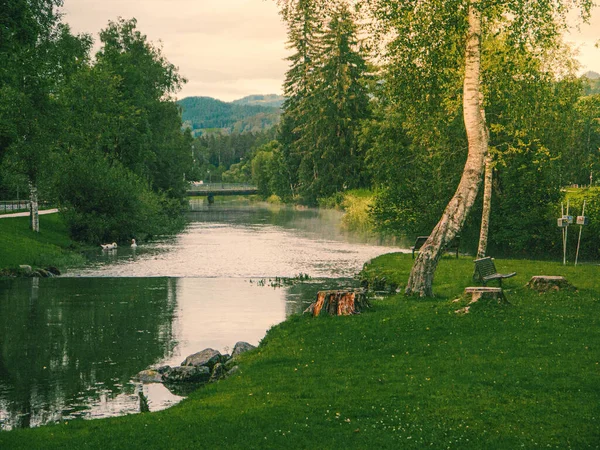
pixel 409 373
pixel 50 247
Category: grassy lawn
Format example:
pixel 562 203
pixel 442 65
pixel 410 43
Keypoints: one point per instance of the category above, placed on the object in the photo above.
pixel 50 247
pixel 407 374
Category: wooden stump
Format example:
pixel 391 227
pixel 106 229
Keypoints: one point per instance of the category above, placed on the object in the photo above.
pixel 544 283
pixel 339 303
pixel 478 293
pixel 486 293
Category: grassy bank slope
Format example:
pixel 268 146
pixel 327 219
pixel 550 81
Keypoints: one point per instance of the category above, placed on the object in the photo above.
pixel 407 374
pixel 50 247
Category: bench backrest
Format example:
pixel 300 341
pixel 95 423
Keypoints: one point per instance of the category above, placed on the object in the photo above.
pixel 420 241
pixel 485 267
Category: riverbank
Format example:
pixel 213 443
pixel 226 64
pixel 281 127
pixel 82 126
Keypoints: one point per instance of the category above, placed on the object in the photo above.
pixel 51 247
pixel 409 373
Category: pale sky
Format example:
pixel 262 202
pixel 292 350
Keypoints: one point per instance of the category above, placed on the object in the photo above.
pixel 228 49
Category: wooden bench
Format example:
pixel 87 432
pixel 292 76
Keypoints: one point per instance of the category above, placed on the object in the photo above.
pixel 452 246
pixel 485 270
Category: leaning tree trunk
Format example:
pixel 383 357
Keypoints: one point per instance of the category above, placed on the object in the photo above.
pixel 487 208
pixel 34 219
pixel 421 276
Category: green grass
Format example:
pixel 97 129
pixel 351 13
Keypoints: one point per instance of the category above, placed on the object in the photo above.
pixel 50 247
pixel 409 373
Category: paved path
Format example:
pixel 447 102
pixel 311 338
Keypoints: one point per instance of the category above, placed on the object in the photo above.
pixel 26 213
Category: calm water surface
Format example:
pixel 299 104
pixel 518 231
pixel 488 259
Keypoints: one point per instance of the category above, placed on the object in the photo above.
pixel 70 346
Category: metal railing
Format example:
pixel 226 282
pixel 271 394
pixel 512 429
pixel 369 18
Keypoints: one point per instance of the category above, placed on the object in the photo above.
pixel 9 206
pixel 220 187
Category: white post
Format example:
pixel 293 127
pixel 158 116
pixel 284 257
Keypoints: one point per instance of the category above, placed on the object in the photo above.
pixel 580 230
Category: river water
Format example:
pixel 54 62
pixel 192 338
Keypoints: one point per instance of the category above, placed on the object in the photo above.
pixel 70 346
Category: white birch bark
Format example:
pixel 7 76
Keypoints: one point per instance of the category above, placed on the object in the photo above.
pixel 422 274
pixel 34 219
pixel 487 208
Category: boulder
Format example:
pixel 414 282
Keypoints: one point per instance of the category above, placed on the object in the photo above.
pixel 229 364
pixel 185 374
pixel 232 371
pixel 217 373
pixel 207 357
pixel 241 347
pixel 163 369
pixel 149 376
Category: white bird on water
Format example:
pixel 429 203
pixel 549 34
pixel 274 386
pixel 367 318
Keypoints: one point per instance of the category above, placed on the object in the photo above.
pixel 109 246
pixel 133 244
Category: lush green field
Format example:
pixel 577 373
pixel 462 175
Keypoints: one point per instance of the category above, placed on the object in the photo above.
pixel 409 373
pixel 50 247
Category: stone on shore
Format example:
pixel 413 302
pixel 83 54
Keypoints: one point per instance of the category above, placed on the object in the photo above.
pixel 185 374
pixel 207 357
pixel 241 347
pixel 149 376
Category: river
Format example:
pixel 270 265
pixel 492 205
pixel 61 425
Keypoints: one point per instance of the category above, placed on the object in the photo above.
pixel 70 346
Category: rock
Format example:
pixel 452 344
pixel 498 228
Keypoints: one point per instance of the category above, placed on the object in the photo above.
pixel 25 268
pixel 241 347
pixel 149 376
pixel 232 371
pixel 184 374
pixel 163 369
pixel 53 270
pixel 543 283
pixel 44 273
pixel 227 365
pixel 207 357
pixel 217 373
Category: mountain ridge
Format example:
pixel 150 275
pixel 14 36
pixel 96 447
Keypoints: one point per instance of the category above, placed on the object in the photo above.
pixel 202 114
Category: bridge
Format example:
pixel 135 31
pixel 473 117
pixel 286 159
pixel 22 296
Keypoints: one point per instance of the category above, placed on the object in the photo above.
pixel 212 189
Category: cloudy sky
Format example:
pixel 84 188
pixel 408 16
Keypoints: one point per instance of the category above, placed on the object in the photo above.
pixel 228 49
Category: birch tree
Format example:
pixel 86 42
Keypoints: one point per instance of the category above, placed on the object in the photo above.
pixel 460 26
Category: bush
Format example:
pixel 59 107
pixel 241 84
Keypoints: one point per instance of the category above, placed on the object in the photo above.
pixel 102 201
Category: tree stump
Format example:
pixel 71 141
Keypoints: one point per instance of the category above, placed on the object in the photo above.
pixel 478 293
pixel 486 293
pixel 544 283
pixel 342 302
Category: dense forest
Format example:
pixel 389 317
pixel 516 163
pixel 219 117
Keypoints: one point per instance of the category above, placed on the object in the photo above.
pixel 205 115
pixel 396 127
pixel 100 136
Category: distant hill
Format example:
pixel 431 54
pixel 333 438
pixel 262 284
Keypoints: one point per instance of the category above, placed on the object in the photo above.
pixel 592 75
pixel 262 100
pixel 249 114
pixel 591 83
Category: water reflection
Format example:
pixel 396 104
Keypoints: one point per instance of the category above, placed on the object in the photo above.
pixel 69 347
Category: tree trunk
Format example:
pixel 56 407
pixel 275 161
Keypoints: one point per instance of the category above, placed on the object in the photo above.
pixel 487 208
pixel 34 219
pixel 421 276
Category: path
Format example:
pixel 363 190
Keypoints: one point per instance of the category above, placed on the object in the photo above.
pixel 26 213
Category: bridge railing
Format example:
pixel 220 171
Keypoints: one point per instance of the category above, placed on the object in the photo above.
pixel 221 187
